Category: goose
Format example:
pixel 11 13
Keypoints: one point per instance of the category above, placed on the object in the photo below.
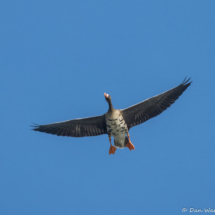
pixel 116 122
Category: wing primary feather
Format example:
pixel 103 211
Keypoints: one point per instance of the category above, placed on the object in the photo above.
pixel 152 107
pixel 91 126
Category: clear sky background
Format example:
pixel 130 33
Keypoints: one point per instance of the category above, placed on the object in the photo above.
pixel 57 58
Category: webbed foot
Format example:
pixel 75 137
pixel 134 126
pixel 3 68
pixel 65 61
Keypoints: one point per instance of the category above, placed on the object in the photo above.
pixel 130 145
pixel 112 150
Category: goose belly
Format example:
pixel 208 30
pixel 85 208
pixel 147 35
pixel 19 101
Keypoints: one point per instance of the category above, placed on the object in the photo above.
pixel 117 128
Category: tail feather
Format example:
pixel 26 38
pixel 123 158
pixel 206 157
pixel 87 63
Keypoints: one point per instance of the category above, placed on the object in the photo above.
pixel 119 144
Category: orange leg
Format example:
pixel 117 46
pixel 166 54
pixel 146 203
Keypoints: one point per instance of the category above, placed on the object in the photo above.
pixel 129 144
pixel 112 148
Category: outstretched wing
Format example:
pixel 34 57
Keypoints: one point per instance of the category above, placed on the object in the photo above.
pixel 91 126
pixel 154 106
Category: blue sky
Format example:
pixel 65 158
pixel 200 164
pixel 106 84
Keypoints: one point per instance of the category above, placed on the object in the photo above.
pixel 58 58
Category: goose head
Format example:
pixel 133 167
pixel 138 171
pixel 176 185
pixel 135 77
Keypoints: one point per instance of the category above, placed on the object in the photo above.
pixel 108 99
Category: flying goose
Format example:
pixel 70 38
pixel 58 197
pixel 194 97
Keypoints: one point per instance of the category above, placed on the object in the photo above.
pixel 115 122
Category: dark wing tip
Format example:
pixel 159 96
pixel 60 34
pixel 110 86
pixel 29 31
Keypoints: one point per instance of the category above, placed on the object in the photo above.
pixel 186 81
pixel 43 128
pixel 36 127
